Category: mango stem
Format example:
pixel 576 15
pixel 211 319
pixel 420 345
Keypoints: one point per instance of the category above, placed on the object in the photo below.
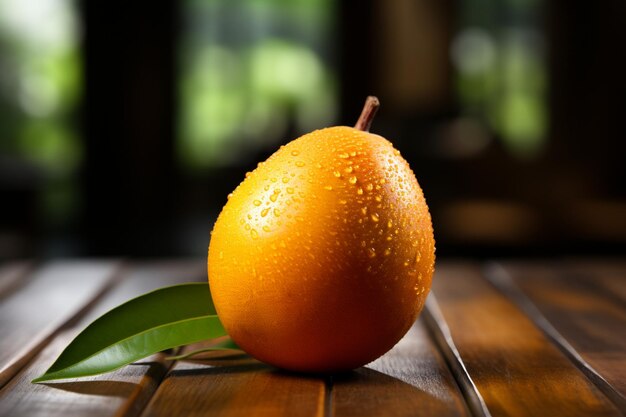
pixel 367 115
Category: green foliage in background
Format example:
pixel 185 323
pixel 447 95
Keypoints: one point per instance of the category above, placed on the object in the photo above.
pixel 248 70
pixel 40 85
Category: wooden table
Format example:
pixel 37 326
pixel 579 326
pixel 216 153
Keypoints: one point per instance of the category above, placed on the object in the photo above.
pixel 543 338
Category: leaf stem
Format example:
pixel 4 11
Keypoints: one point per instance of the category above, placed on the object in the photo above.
pixel 367 115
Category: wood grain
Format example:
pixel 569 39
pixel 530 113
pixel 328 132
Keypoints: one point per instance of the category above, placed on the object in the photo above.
pixel 12 276
pixel 486 340
pixel 611 273
pixel 236 386
pixel 53 296
pixel 509 362
pixel 120 393
pixel 411 379
pixel 581 312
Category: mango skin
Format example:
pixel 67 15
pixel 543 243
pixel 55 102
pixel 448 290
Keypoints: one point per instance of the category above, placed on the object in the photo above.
pixel 322 258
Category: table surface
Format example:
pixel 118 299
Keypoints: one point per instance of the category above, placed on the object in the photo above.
pixel 514 338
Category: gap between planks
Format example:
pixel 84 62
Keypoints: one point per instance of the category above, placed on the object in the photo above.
pixel 411 378
pixel 481 320
pixel 46 332
pixel 327 401
pixel 124 392
pixel 502 280
pixel 438 329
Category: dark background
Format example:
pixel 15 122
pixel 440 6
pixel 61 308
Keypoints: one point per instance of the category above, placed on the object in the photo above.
pixel 511 114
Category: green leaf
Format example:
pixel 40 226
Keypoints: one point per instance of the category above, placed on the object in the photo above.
pixel 162 319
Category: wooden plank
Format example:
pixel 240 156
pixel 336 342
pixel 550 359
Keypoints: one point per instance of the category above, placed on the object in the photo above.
pixel 579 311
pixel 12 276
pixel 124 392
pixel 510 367
pixel 236 386
pixel 610 272
pixel 55 294
pixel 411 379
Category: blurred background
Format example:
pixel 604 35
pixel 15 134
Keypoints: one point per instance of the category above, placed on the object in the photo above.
pixel 124 125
